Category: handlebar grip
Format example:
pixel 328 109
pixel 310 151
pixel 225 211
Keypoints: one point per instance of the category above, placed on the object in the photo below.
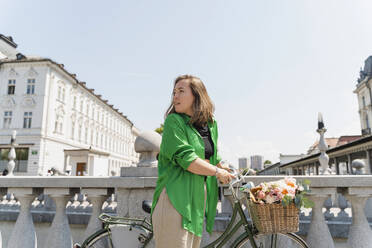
pixel 103 217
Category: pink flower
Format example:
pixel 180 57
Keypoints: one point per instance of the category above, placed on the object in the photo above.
pixel 261 195
pixel 277 190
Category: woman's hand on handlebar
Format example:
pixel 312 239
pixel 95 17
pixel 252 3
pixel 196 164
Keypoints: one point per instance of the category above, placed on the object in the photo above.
pixel 224 167
pixel 224 176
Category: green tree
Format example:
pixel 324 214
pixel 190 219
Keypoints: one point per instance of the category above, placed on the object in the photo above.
pixel 159 130
pixel 267 162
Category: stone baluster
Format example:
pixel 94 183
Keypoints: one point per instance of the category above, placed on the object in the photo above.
pixel 12 154
pixel 97 198
pixel 360 234
pixel 328 204
pixel 23 234
pixel 343 204
pixel 226 202
pixel 122 208
pixel 59 233
pixel 319 235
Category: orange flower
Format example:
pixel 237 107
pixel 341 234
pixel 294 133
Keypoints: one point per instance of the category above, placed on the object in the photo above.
pixel 290 184
pixel 284 192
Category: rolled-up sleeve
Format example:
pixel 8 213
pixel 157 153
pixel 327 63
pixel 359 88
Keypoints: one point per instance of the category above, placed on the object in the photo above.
pixel 175 145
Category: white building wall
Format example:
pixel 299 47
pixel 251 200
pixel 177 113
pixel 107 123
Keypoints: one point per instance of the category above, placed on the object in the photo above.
pixel 103 129
pixel 53 155
pixel 100 166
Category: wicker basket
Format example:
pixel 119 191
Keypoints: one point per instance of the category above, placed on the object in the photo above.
pixel 274 218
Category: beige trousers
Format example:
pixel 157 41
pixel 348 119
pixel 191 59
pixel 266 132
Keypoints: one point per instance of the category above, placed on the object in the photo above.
pixel 167 225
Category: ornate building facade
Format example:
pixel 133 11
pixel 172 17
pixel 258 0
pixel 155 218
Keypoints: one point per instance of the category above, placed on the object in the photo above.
pixel 60 122
pixel 364 93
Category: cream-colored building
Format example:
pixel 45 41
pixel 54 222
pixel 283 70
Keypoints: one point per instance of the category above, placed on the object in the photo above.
pixel 60 122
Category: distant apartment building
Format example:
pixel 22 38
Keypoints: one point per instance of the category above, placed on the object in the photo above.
pixel 60 122
pixel 243 163
pixel 257 162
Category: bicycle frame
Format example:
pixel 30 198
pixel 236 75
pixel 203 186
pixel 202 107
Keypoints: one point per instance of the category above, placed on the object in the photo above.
pixel 141 224
pixel 147 233
pixel 233 228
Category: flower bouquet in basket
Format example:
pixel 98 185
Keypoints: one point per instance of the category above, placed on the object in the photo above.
pixel 274 206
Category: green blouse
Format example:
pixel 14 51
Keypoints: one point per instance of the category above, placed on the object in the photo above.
pixel 181 145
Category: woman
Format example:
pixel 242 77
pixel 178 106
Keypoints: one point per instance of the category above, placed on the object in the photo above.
pixel 187 189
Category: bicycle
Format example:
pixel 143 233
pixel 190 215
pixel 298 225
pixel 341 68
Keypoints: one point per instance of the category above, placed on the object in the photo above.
pixel 116 225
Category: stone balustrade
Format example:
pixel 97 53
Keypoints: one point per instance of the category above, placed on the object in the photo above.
pixel 32 230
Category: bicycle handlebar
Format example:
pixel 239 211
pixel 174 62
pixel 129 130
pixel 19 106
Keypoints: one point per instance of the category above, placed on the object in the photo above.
pixel 104 217
pixel 238 179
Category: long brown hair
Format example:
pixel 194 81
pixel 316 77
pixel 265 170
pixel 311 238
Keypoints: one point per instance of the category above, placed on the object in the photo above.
pixel 203 106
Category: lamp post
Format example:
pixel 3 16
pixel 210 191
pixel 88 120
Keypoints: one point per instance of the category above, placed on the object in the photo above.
pixel 322 146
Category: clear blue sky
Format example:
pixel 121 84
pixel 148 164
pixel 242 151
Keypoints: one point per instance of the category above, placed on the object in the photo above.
pixel 269 66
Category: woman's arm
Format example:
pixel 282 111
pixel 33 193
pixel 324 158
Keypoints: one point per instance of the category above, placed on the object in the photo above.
pixel 201 167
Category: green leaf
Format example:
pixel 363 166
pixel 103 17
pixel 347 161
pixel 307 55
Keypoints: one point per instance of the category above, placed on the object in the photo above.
pixel 286 200
pixel 307 203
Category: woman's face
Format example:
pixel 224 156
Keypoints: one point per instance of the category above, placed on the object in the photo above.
pixel 183 97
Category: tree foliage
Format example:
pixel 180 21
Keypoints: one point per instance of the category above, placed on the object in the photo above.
pixel 159 130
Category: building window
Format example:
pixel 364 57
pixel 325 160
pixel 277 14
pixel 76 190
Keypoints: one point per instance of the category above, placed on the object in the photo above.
pixel 7 119
pixel 91 137
pixel 97 139
pixel 59 92
pixel 27 117
pixel 102 140
pixel 11 86
pixel 73 130
pixel 30 86
pixel 58 125
pixel 87 110
pixel 63 94
pixel 81 106
pixel 74 105
pixel 86 136
pixel 364 101
pixel 367 122
pixel 79 133
pixel 20 161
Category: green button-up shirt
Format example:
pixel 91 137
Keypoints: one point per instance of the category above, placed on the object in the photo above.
pixel 181 145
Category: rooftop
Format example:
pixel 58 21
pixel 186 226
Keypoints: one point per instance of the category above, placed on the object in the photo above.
pixel 9 40
pixel 29 59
